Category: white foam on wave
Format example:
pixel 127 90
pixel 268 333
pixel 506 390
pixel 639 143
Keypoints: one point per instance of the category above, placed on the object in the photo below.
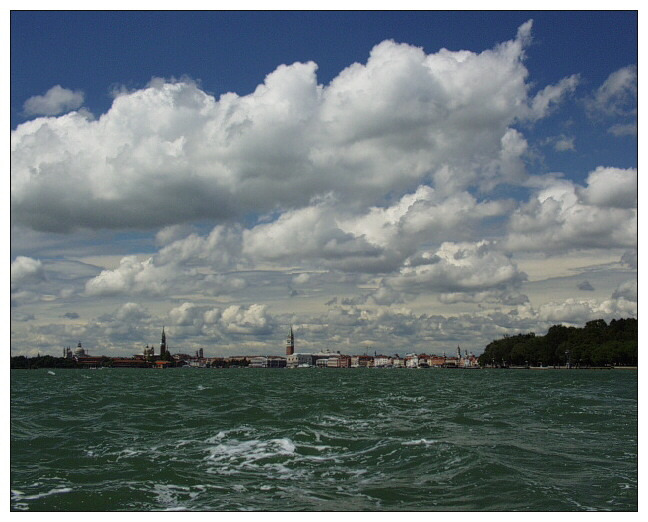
pixel 225 433
pixel 251 449
pixel 419 442
pixel 334 420
pixel 126 453
pixel 233 457
pixel 18 495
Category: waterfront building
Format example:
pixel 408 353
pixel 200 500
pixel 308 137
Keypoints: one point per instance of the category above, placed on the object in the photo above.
pixel 237 360
pixel 338 361
pixel 149 352
pixel 87 361
pixel 382 361
pixel 362 361
pixel 411 360
pixel 268 361
pixel 345 361
pixel 130 363
pixel 296 360
pixel 397 362
pixel 260 361
pixel 469 360
pixel 436 361
pixel 275 361
pixel 451 362
pixel 333 362
pixel 80 351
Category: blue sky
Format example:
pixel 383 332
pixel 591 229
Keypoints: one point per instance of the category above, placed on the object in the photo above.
pixel 373 178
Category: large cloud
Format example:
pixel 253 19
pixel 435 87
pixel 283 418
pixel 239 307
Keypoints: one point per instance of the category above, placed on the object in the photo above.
pixel 321 235
pixel 461 272
pixel 171 153
pixel 190 263
pixel 563 216
pixel 233 320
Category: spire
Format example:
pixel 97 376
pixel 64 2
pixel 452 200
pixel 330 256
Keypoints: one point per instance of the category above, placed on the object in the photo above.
pixel 163 346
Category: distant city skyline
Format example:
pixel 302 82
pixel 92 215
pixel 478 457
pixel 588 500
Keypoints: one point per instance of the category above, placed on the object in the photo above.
pixel 382 181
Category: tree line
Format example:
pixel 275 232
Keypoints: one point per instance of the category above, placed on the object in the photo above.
pixel 48 361
pixel 595 344
pixel 21 362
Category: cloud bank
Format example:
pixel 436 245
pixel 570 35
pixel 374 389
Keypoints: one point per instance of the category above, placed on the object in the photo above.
pixel 171 153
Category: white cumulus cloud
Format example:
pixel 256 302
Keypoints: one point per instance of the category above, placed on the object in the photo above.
pixel 25 269
pixel 55 101
pixel 618 94
pixel 564 216
pixel 171 153
pixel 461 272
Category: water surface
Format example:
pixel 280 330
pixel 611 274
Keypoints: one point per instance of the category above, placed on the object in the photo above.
pixel 323 439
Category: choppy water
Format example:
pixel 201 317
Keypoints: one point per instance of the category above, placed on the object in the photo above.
pixel 325 440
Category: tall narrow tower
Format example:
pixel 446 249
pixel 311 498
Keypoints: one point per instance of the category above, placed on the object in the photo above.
pixel 163 346
pixel 290 343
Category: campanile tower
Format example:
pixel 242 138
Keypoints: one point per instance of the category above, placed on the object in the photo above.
pixel 163 345
pixel 290 343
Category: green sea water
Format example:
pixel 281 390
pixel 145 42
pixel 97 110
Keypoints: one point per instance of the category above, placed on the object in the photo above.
pixel 323 439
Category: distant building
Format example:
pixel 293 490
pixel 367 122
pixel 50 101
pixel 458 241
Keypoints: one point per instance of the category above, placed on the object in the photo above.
pixel 87 361
pixel 451 362
pixel 411 361
pixel 130 363
pixel 259 362
pixel 362 361
pixel 338 361
pixel 436 361
pixel 297 360
pixel 79 351
pixel 237 360
pixel 263 361
pixel 149 351
pixel 382 361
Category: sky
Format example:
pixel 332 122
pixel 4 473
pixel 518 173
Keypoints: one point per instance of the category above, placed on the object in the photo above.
pixel 386 182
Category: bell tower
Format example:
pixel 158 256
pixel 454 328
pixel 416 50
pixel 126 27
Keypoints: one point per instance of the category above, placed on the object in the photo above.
pixel 163 345
pixel 290 343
